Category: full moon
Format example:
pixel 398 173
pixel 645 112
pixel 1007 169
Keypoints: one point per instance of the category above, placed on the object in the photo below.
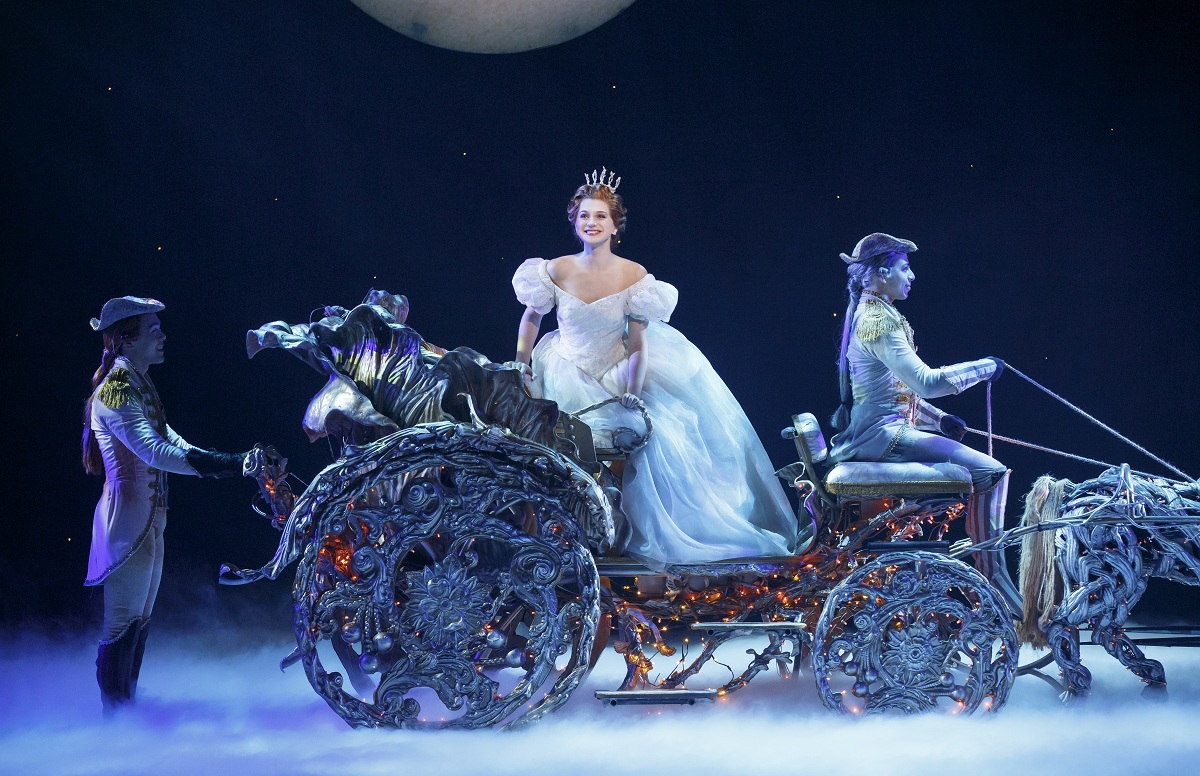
pixel 493 26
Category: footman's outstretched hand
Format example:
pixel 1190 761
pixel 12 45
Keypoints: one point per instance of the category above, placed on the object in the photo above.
pixel 210 463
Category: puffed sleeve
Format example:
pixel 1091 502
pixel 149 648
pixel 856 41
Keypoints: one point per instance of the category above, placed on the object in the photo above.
pixel 652 300
pixel 533 286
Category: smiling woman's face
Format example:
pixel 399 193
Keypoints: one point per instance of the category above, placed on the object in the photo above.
pixel 594 223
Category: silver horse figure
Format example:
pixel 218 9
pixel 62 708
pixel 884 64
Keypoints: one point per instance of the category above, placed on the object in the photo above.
pixel 1095 545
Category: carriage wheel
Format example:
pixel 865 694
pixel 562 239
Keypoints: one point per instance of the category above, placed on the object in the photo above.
pixel 912 632
pixel 448 575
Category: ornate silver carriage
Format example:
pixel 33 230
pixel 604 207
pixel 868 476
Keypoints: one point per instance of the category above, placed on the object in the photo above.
pixel 455 565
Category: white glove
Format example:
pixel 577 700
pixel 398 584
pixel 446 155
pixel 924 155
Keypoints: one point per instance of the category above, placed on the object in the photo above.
pixel 631 402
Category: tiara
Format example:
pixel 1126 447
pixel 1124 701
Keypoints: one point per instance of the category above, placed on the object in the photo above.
pixel 605 178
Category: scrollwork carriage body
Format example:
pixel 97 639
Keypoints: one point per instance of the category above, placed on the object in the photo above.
pixel 450 558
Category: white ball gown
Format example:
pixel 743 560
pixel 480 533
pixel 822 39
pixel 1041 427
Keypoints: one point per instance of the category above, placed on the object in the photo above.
pixel 703 489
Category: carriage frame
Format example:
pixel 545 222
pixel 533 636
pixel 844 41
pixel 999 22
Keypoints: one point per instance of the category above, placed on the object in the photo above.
pixel 461 572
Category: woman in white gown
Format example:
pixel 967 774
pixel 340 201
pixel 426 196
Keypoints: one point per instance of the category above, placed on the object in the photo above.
pixel 703 489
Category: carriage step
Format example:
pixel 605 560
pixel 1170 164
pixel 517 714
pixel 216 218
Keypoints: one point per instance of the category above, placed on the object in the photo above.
pixel 649 697
pixel 725 627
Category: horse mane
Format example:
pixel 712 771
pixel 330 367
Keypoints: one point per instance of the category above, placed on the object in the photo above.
pixel 1040 583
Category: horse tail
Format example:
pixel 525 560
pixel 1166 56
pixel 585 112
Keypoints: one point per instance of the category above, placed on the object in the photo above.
pixel 1039 580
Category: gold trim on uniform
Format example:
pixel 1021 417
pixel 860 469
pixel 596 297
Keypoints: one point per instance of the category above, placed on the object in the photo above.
pixel 117 390
pixel 880 319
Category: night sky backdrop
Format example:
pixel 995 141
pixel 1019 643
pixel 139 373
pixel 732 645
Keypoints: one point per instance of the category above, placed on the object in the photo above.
pixel 248 162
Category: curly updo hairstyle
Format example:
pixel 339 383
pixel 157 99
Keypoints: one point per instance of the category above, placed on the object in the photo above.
pixel 605 195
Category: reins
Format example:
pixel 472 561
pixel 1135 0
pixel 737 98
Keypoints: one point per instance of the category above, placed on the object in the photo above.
pixel 992 436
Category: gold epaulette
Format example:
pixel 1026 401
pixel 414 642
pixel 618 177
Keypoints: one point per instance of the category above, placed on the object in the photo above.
pixel 118 389
pixel 876 322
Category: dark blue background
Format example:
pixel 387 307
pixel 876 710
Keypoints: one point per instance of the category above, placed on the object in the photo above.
pixel 247 162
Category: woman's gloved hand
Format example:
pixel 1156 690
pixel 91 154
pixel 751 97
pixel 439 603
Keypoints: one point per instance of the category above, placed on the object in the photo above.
pixel 999 369
pixel 953 426
pixel 631 402
pixel 210 463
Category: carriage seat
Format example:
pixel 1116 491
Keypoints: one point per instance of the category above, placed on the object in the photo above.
pixel 862 478
pixel 865 478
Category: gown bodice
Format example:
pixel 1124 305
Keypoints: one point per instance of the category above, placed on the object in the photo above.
pixel 592 334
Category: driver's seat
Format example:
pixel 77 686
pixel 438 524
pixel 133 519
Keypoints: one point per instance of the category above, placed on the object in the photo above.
pixel 861 479
pixel 870 478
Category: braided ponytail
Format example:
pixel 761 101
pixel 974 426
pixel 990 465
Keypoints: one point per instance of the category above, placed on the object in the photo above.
pixel 125 330
pixel 857 275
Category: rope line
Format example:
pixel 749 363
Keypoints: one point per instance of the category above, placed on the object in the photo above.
pixel 1072 456
pixel 990 435
pixel 1032 446
pixel 1094 420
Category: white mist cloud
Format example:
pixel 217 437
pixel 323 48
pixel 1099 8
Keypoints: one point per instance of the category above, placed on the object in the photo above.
pixel 214 703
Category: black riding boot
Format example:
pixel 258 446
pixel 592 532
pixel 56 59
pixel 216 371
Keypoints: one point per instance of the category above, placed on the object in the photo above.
pixel 138 651
pixel 985 520
pixel 114 661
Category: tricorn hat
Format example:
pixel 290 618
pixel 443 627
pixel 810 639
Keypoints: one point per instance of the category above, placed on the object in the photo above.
pixel 124 307
pixel 876 244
